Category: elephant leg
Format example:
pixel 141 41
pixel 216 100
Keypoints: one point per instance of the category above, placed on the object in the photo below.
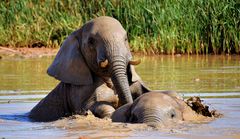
pixel 122 114
pixel 103 102
pixel 79 97
pixel 102 109
pixel 64 100
pixel 137 89
pixel 53 106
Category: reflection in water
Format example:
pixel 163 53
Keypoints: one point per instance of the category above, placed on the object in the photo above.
pixel 191 73
pixel 25 75
pixel 181 73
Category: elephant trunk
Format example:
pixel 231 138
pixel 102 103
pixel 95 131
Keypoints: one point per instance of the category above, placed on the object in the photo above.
pixel 120 80
pixel 152 117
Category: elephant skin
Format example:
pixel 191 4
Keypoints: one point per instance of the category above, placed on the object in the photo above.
pixel 65 100
pixel 156 108
pixel 105 100
pixel 93 57
pixel 68 99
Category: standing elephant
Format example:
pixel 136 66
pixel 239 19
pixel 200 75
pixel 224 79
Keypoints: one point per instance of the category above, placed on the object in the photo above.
pixel 156 108
pixel 93 57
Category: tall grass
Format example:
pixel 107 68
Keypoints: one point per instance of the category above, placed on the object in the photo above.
pixel 153 26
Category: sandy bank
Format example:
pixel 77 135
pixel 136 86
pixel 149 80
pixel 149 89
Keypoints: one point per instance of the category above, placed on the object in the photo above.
pixel 27 52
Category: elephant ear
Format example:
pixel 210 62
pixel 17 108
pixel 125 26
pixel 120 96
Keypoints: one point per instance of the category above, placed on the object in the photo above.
pixel 69 65
pixel 134 78
pixel 132 75
pixel 122 113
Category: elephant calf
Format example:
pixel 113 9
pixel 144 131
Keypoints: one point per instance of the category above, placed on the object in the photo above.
pixel 156 108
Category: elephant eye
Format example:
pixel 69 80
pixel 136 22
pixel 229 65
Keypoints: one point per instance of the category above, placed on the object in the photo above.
pixel 91 41
pixel 172 114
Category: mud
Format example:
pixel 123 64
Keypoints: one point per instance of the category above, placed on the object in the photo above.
pixel 196 103
pixel 77 122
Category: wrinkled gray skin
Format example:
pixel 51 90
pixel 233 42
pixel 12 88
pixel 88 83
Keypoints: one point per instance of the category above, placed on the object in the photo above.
pixel 156 108
pixel 104 101
pixel 78 65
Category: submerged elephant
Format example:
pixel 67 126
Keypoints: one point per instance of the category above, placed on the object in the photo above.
pixel 93 57
pixel 156 108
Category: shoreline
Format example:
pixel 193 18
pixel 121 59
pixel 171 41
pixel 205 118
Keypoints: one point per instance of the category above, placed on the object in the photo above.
pixel 25 52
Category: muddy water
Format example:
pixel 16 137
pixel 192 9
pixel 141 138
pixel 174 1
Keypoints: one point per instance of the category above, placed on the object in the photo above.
pixel 23 82
pixel 192 73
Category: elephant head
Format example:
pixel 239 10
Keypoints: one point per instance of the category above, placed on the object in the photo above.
pixel 156 108
pixel 98 49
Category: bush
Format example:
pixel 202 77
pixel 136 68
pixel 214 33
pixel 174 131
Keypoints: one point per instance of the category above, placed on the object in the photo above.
pixel 166 26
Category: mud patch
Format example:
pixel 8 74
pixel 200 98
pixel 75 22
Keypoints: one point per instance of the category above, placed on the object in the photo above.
pixel 92 122
pixel 93 127
pixel 108 128
pixel 199 107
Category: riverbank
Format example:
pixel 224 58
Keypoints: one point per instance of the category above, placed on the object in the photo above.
pixel 27 52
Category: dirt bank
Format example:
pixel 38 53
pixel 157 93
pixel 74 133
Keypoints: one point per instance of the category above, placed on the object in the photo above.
pixel 27 52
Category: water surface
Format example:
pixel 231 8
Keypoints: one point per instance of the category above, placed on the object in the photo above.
pixel 23 82
pixel 195 74
pixel 192 73
pixel 15 124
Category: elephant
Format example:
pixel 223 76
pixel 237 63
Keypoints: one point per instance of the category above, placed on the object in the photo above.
pixel 92 60
pixel 104 101
pixel 156 108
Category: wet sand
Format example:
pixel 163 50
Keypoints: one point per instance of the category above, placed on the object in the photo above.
pixel 15 124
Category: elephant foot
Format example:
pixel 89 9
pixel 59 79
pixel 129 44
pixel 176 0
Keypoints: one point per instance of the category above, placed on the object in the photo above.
pixel 102 110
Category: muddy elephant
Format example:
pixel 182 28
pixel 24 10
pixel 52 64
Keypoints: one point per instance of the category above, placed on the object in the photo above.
pixel 95 56
pixel 156 108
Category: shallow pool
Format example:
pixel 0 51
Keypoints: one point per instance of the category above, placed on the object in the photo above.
pixel 23 82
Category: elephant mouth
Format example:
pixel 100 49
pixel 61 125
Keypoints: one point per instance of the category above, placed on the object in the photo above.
pixel 103 72
pixel 104 67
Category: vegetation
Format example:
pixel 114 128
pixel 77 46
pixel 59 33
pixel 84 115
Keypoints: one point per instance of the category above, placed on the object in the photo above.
pixel 154 26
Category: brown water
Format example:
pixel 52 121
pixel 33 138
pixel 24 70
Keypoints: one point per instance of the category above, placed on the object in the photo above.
pixel 192 73
pixel 195 74
pixel 24 81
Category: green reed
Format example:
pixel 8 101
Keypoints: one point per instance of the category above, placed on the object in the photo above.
pixel 153 26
